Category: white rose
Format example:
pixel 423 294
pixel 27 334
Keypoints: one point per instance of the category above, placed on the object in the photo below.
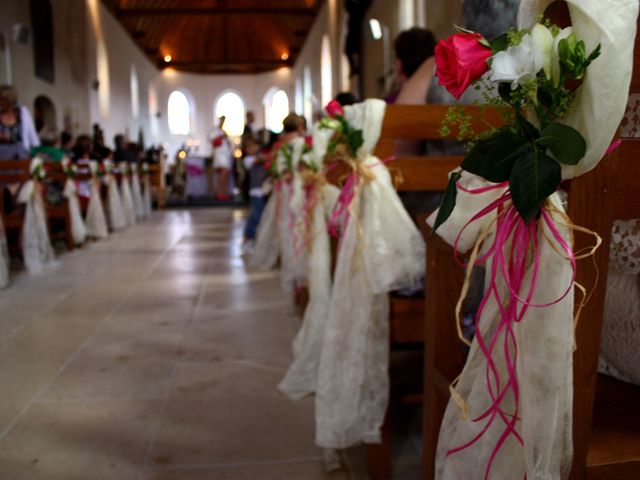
pixel 543 45
pixel 516 64
pixel 555 58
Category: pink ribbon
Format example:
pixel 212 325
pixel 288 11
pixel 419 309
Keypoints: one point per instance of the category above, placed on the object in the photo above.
pixel 340 215
pixel 515 247
pixel 194 170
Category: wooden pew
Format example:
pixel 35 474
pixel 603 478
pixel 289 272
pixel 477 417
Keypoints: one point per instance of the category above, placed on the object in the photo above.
pixel 156 177
pixel 412 174
pixel 55 173
pixel 13 172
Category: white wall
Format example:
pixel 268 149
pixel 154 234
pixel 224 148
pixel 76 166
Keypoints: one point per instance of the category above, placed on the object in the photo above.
pixel 68 92
pixel 328 22
pixel 78 27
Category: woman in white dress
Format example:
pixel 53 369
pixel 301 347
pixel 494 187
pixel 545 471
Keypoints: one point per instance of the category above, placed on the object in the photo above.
pixel 221 160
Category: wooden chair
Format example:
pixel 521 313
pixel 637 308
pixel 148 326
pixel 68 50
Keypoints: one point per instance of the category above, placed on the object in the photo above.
pixel 412 174
pixel 606 422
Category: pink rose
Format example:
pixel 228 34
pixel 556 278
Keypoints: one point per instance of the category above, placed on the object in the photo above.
pixel 308 140
pixel 460 60
pixel 334 108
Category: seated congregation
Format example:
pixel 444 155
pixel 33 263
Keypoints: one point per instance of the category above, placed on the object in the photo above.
pixel 54 188
pixel 516 298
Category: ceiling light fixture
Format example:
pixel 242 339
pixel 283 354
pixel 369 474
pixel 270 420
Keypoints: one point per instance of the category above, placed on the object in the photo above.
pixel 376 28
pixel 167 58
pixel 284 56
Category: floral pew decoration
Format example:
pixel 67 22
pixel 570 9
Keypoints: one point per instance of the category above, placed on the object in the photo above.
pixel 70 192
pixel 95 220
pixel 128 207
pixel 117 219
pixel 146 190
pixel 292 263
pixel 36 245
pixel 510 413
pixel 136 193
pixel 380 250
pixel 315 199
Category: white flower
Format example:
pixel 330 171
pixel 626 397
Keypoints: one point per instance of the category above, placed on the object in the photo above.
pixel 555 58
pixel 543 45
pixel 516 64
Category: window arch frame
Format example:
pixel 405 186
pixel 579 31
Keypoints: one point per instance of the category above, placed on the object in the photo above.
pixel 190 113
pixel 223 93
pixel 267 100
pixel 326 70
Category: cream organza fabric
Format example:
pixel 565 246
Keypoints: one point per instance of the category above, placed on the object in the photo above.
pixel 619 352
pixel 4 257
pixel 146 194
pixel 266 249
pixel 78 229
pixel 116 213
pixel 292 266
pixel 301 377
pixel 136 193
pixel 96 221
pixel 128 208
pixel 381 250
pixel 296 202
pixel 36 245
pixel 602 97
pixel 545 336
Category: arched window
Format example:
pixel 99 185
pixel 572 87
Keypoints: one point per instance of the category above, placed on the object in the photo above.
pixel 104 90
pixel 135 93
pixel 276 107
pixel 407 14
pixel 230 105
pixel 179 113
pixel 299 96
pixel 326 72
pixel 153 112
pixel 308 96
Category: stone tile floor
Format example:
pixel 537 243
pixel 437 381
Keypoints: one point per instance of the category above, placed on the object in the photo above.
pixel 156 355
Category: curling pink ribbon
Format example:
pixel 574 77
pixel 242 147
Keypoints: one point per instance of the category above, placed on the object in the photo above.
pixel 340 214
pixel 515 242
pixel 310 201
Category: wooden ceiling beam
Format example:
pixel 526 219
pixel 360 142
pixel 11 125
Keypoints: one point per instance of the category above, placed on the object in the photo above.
pixel 224 65
pixel 135 11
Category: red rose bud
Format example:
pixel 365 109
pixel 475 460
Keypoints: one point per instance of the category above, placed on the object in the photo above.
pixel 460 60
pixel 334 108
pixel 308 140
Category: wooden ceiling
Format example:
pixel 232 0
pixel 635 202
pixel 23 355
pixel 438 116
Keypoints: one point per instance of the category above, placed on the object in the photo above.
pixel 218 36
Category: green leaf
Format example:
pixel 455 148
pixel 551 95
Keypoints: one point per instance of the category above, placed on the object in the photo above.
pixel 448 201
pixel 355 140
pixel 535 176
pixel 565 143
pixel 500 44
pixel 504 89
pixel 493 158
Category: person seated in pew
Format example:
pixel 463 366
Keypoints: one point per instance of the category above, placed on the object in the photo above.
pixel 17 131
pixel 122 153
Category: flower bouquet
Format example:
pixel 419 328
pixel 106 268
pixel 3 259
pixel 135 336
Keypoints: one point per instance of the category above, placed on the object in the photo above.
pixel 533 72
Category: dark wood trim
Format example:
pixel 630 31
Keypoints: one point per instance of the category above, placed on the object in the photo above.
pixel 130 12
